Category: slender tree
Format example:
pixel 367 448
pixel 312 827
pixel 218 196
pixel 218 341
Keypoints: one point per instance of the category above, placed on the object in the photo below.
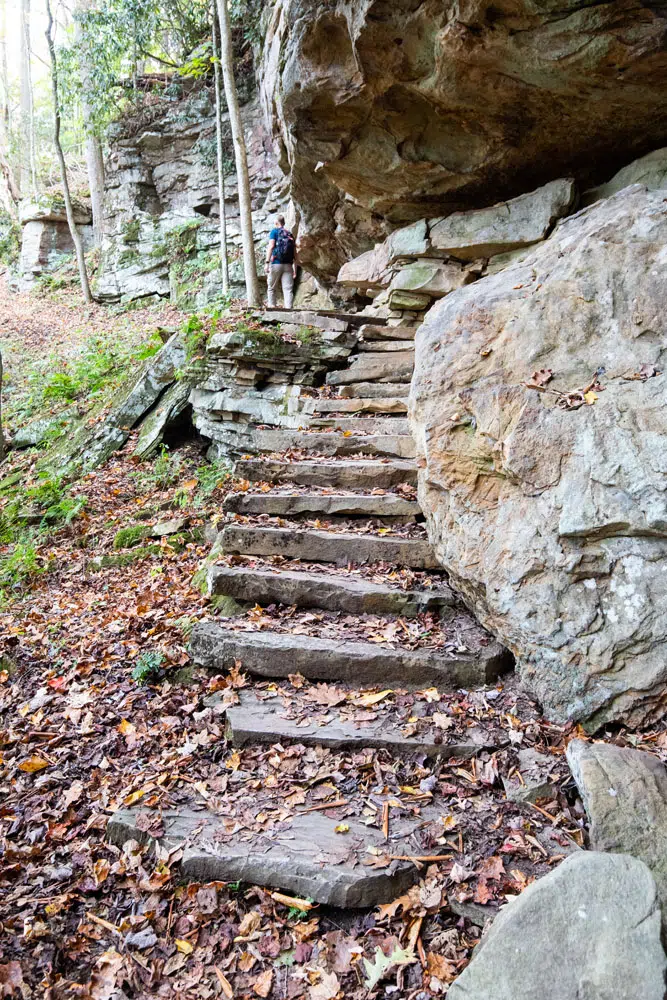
pixel 93 146
pixel 24 99
pixel 69 211
pixel 221 172
pixel 2 436
pixel 4 74
pixel 240 155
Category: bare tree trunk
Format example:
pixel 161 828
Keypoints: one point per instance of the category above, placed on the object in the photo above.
pixel 93 146
pixel 4 74
pixel 9 191
pixel 69 211
pixel 2 436
pixel 221 173
pixel 240 155
pixel 24 100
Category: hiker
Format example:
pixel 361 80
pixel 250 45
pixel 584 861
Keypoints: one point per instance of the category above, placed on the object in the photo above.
pixel 281 263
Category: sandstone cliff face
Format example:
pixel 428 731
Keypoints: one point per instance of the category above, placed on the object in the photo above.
pixel 161 188
pixel 388 112
pixel 549 512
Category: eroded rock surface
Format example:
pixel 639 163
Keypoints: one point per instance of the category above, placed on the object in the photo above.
pixel 551 520
pixel 387 113
pixel 591 929
pixel 624 792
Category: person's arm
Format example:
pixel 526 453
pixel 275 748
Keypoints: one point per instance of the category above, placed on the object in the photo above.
pixel 269 254
pixel 295 262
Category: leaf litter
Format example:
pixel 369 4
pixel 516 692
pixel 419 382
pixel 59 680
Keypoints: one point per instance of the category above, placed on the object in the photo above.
pixel 82 918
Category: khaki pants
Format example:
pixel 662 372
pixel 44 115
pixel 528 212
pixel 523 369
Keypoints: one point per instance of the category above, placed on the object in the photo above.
pixel 281 274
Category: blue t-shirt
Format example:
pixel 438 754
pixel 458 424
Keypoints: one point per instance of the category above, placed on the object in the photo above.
pixel 273 235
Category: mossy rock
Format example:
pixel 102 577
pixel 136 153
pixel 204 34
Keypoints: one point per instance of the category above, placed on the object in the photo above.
pixel 121 559
pixel 11 482
pixel 126 538
pixel 228 607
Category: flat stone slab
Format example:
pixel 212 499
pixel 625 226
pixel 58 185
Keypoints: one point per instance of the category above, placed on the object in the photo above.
pixel 294 858
pixel 379 405
pixel 313 545
pixel 331 591
pixel 366 425
pixel 368 390
pixel 331 323
pixel 279 654
pixel 372 367
pixel 259 720
pixel 589 929
pixel 363 474
pixel 371 331
pixel 383 346
pixel 399 445
pixel 350 505
pixel 315 317
pixel 506 226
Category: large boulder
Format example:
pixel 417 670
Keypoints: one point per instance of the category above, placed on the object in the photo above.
pixel 624 792
pixel 590 930
pixel 387 112
pixel 548 509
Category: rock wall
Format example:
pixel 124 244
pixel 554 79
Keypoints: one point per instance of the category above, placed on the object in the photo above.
pixel 389 112
pixel 45 239
pixel 162 208
pixel 538 404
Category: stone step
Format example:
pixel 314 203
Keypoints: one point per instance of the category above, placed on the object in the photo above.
pixel 261 720
pixel 383 346
pixel 321 319
pixel 398 445
pixel 375 390
pixel 304 855
pixel 373 331
pixel 380 405
pixel 361 474
pixel 364 425
pixel 314 545
pixel 375 367
pixel 280 654
pixel 330 591
pixel 332 504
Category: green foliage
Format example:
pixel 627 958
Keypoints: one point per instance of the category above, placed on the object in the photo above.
pixel 131 231
pixel 128 257
pixel 28 518
pixel 195 335
pixel 211 477
pixel 48 501
pixel 178 243
pixel 18 565
pixel 148 667
pixel 10 240
pixel 127 537
pixel 165 470
pixel 95 370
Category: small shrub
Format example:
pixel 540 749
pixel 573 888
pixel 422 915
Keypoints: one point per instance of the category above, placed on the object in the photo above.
pixel 148 667
pixel 131 231
pixel 19 565
pixel 210 477
pixel 165 471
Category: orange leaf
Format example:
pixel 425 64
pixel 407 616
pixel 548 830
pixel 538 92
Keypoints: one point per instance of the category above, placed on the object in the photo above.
pixel 32 764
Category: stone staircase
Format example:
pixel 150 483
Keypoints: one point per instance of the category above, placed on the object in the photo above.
pixel 327 576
